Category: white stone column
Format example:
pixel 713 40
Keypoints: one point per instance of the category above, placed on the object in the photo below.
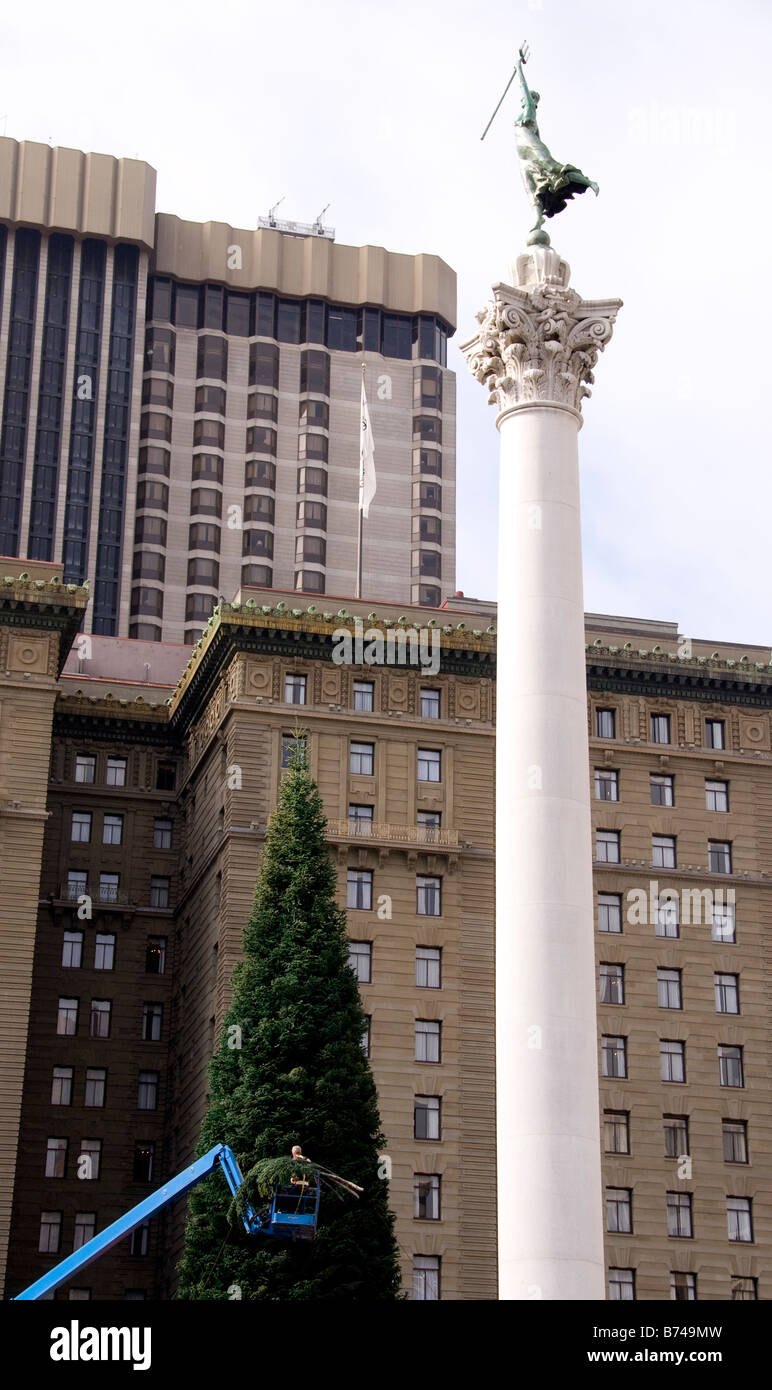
pixel 535 350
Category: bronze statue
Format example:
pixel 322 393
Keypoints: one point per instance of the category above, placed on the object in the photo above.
pixel 548 184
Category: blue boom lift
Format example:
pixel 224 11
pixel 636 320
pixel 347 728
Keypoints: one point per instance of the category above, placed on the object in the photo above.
pixel 292 1215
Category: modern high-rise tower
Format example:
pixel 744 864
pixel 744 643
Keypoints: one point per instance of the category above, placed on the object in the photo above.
pixel 180 401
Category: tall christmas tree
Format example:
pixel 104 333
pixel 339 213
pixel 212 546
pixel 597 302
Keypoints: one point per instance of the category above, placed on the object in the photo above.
pixel 290 1069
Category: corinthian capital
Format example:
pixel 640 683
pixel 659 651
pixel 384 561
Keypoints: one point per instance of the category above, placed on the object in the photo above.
pixel 539 340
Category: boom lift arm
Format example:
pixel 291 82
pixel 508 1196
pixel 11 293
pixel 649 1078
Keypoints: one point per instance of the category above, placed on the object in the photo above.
pixel 218 1157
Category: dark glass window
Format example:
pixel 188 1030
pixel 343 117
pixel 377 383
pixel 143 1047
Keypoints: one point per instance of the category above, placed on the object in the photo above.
pixel 160 350
pixel 265 312
pixel 311 549
pixel 427 495
pixel 186 306
pixel 312 480
pixel 45 477
pixel 154 425
pixel 148 564
pixel 212 358
pixel 257 543
pixel 370 330
pixel 258 507
pixel 342 328
pixel 427 564
pixel 261 575
pixel 427 461
pixel 396 336
pixel 205 501
pixel 261 439
pixel 260 473
pixel 315 414
pixel 212 307
pixel 198 607
pixel 203 536
pixel 428 595
pixel 288 320
pixel 309 581
pixel 211 398
pixel 262 406
pixel 201 571
pixel 207 466
pixel 312 514
pixel 238 314
pixel 159 299
pixel 427 388
pixel 313 446
pixel 148 602
pixel 315 311
pixel 427 427
pixel 87 361
pixel 150 494
pixel 150 530
pixel 157 390
pixel 264 365
pixel 210 433
pixel 427 528
pixel 315 371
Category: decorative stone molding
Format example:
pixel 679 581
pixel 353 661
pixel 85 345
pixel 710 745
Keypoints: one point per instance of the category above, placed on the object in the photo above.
pixel 538 340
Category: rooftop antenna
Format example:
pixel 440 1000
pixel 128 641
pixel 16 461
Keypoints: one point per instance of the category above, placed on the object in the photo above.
pixel 318 221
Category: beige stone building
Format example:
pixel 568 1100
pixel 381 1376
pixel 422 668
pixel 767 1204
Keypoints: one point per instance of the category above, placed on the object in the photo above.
pixel 159 809
pixel 181 401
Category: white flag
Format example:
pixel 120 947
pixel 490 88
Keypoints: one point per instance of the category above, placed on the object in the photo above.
pixel 366 458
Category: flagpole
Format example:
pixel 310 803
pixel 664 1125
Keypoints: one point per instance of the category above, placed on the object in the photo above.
pixel 358 591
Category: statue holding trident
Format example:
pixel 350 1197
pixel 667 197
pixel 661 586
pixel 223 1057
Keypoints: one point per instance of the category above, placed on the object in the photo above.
pixel 548 184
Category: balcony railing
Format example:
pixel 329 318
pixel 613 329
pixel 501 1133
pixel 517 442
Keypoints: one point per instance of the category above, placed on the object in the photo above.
pixel 396 834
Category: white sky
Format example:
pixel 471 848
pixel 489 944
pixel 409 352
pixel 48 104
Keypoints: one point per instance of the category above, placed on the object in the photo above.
pixel 378 110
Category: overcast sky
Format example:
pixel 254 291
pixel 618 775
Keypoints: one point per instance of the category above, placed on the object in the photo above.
pixel 378 110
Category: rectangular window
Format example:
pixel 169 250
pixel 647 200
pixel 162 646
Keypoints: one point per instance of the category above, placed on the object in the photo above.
pixel 61 1086
pixel 91 1151
pixel 735 1140
pixel 427 1040
pixel 429 765
pixel 663 851
pixel 159 891
pixel 155 955
pixel 672 1060
pixel 56 1158
pixel 108 887
pixel 50 1232
pixel 165 777
pixel 660 728
pixel 67 1018
pixel 727 989
pixel 679 1214
pixel 359 889
pixel 85 767
pixel 661 786
pixel 426 1117
pixel 619 1209
pixel 144 1162
pixel 72 949
pixel 716 796
pixel 96 1084
pixel 683 1286
pixel 666 922
pixel 607 846
pixel 676 1130
pixel 116 772
pixel 430 704
pixel 85 1228
pixel 366 1035
pixel 360 819
pixel 100 1018
pixel 104 951
pixel 152 1020
pixel 426 1274
pixel 621 1285
pixel 612 983
pixel 363 695
pixel 147 1090
pixel 162 834
pixel 614 1056
pixel 730 1065
pixel 426 1197
pixel 77 883
pixel 428 896
pixel 610 912
pixel 715 733
pixel 295 690
pixel 81 827
pixel 428 964
pixel 429 823
pixel 112 830
pixel 719 856
pixel 616 1131
pixel 606 785
pixel 744 1288
pixel 290 747
pixel 738 1218
pixel 605 723
pixel 139 1240
pixel 360 959
pixel 362 759
pixel 669 989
